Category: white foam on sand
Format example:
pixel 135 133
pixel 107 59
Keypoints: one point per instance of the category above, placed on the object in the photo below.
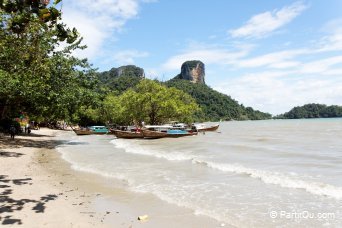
pixel 135 148
pixel 283 180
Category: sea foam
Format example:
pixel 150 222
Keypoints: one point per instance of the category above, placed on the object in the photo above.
pixel 283 180
pixel 135 148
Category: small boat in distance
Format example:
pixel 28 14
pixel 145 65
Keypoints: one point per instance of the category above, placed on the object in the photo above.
pixel 99 130
pixel 175 133
pixel 203 127
pixel 92 130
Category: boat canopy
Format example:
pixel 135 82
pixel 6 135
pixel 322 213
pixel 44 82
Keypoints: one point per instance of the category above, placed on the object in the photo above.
pixel 159 126
pixel 97 127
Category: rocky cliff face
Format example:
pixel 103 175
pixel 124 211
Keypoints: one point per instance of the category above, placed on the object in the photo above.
pixel 129 70
pixel 193 71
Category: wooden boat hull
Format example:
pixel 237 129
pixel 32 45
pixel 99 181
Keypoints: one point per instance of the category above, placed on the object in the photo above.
pixel 211 128
pixel 99 133
pixel 157 134
pixel 127 134
pixel 82 132
pixel 88 132
pixel 153 134
pixel 180 135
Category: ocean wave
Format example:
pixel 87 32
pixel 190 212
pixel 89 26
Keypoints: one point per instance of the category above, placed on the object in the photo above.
pixel 102 173
pixel 283 180
pixel 220 215
pixel 131 147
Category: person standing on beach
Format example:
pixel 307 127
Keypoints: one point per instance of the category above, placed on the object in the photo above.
pixel 12 131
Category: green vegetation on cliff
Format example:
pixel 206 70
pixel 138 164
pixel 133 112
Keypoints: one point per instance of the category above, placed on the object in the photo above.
pixel 216 106
pixel 313 111
pixel 122 78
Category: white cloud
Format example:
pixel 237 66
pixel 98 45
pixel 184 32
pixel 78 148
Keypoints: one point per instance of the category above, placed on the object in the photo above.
pixel 207 55
pixel 279 91
pixel 93 35
pixel 281 59
pixel 128 56
pixel 333 41
pixel 265 23
pixel 98 21
pixel 112 11
pixel 320 66
pixel 154 73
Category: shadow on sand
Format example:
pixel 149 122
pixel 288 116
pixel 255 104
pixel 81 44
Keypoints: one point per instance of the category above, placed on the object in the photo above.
pixel 26 141
pixel 10 154
pixel 9 205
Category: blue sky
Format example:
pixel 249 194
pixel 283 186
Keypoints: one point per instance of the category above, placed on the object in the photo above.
pixel 270 55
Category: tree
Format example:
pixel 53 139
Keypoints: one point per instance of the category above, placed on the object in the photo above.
pixel 152 103
pixel 313 111
pixel 38 78
pixel 20 14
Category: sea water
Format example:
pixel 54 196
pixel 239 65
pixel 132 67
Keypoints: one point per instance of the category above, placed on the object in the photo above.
pixel 270 173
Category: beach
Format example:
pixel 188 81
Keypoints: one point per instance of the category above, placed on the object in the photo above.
pixel 39 189
pixel 247 174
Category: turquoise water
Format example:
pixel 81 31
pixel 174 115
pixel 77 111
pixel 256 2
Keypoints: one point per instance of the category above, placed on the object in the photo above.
pixel 248 174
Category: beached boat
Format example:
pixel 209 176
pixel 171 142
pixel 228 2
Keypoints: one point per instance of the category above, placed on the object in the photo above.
pixel 82 132
pixel 170 133
pixel 92 130
pixel 151 134
pixel 99 130
pixel 127 134
pixel 203 127
pixel 175 133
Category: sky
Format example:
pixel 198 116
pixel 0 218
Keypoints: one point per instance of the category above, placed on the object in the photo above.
pixel 269 55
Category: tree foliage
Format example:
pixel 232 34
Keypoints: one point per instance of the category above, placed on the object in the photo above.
pixel 38 76
pixel 150 102
pixel 313 111
pixel 214 105
pixel 122 78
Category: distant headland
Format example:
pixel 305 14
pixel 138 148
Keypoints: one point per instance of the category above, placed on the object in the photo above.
pixel 312 111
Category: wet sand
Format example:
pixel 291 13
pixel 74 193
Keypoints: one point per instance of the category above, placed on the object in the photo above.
pixel 39 189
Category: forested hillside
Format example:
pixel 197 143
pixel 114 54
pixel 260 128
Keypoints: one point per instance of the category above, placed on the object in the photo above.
pixel 121 78
pixel 313 111
pixel 215 105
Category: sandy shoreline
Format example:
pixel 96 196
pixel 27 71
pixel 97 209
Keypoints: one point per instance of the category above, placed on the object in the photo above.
pixel 39 189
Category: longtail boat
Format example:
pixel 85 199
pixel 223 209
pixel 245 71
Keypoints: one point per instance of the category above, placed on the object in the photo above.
pixel 203 127
pixel 148 134
pixel 127 134
pixel 82 132
pixel 92 130
pixel 171 133
pixel 175 133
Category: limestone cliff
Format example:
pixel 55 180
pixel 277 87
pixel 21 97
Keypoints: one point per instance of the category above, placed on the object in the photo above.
pixel 123 71
pixel 130 70
pixel 193 71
